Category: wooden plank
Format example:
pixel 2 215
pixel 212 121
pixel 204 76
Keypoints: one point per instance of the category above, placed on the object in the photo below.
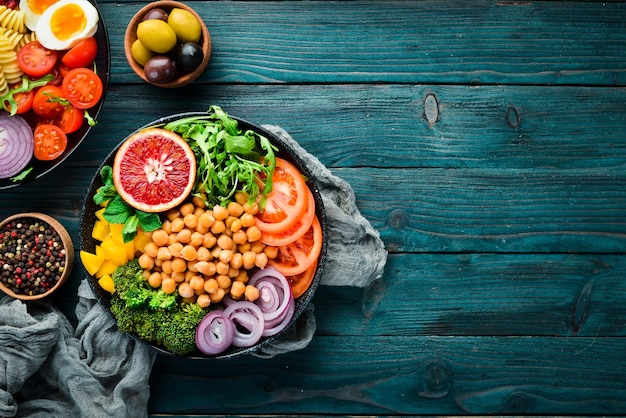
pixel 499 127
pixel 482 294
pixel 404 375
pixel 475 42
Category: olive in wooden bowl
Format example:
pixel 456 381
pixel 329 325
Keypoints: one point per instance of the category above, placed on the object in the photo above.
pixel 167 44
pixel 36 255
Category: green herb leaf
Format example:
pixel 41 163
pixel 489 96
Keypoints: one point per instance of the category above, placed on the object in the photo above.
pixel 22 175
pixel 118 211
pixel 130 228
pixel 148 221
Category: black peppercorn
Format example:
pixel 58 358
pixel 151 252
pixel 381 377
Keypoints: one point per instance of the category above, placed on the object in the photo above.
pixel 32 257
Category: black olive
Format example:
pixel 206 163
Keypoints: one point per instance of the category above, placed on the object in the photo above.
pixel 189 57
pixel 156 14
pixel 160 69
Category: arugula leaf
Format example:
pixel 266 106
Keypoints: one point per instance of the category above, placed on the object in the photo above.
pixel 22 175
pixel 228 160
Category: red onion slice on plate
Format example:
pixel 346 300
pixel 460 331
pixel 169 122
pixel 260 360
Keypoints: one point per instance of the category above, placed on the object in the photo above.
pixel 215 333
pixel 249 323
pixel 16 144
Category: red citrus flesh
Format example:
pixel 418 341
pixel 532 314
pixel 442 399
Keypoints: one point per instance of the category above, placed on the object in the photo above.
pixel 154 170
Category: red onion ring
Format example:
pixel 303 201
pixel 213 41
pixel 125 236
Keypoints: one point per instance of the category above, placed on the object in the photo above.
pixel 16 144
pixel 275 327
pixel 271 283
pixel 215 333
pixel 247 316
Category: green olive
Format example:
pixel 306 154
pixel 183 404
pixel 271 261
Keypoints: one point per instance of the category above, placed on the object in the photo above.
pixel 185 25
pixel 156 35
pixel 141 54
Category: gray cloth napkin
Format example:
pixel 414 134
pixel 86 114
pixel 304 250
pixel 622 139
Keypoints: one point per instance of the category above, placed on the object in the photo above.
pixel 49 369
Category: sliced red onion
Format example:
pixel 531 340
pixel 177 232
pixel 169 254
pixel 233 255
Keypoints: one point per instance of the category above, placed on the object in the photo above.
pixel 215 333
pixel 273 328
pixel 16 144
pixel 249 323
pixel 274 292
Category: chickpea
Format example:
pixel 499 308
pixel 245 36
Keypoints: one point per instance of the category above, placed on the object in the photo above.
pixel 191 220
pixel 261 260
pixel 189 253
pixel 248 259
pixel 251 293
pixel 168 285
pixel 145 261
pixel 185 290
pixel 155 279
pixel 187 208
pixel 179 265
pixel 177 225
pixel 247 220
pixel 203 301
pixel 197 283
pixel 211 286
pixel 235 209
pixel 160 237
pixel 253 233
pixel 220 213
pixel 184 236
pixel 151 249
pixel 237 290
pixel 223 281
pixel 164 253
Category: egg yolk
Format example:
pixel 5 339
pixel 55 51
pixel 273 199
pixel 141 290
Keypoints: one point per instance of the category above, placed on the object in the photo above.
pixel 40 6
pixel 67 21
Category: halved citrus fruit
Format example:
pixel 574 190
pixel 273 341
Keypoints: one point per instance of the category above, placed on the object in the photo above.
pixel 154 170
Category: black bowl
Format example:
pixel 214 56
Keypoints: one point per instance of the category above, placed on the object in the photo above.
pixel 88 243
pixel 103 68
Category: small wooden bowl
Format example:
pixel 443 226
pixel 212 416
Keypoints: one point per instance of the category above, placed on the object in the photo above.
pixel 131 36
pixel 67 245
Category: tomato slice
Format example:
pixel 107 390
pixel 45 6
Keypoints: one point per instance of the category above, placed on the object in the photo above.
pixel 50 142
pixel 24 101
pixel 35 60
pixel 297 257
pixel 286 203
pixel 48 102
pixel 296 231
pixel 82 54
pixel 82 87
pixel 301 282
pixel 71 119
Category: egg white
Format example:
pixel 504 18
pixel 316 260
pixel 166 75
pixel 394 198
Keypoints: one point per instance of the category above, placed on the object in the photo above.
pixel 49 40
pixel 33 14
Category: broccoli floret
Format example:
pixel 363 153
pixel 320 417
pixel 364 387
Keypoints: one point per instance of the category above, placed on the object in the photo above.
pixel 151 314
pixel 162 300
pixel 178 332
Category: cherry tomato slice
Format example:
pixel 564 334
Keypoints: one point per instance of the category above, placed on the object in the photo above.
pixel 296 231
pixel 50 142
pixel 82 54
pixel 286 203
pixel 301 282
pixel 82 87
pixel 24 102
pixel 47 102
pixel 71 119
pixel 35 60
pixel 297 257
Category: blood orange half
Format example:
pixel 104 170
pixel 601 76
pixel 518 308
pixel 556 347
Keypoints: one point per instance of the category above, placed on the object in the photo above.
pixel 154 170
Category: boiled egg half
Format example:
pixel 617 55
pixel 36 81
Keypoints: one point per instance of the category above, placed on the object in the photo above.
pixel 65 23
pixel 33 9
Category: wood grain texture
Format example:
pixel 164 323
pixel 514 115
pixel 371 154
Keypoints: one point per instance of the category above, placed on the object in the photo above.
pixel 488 127
pixel 402 42
pixel 405 375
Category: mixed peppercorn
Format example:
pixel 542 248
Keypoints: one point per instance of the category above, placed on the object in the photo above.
pixel 32 256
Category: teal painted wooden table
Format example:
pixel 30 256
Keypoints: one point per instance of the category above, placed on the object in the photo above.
pixel 486 142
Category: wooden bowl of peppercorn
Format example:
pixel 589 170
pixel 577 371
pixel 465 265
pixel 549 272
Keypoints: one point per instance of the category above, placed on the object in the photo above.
pixel 37 255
